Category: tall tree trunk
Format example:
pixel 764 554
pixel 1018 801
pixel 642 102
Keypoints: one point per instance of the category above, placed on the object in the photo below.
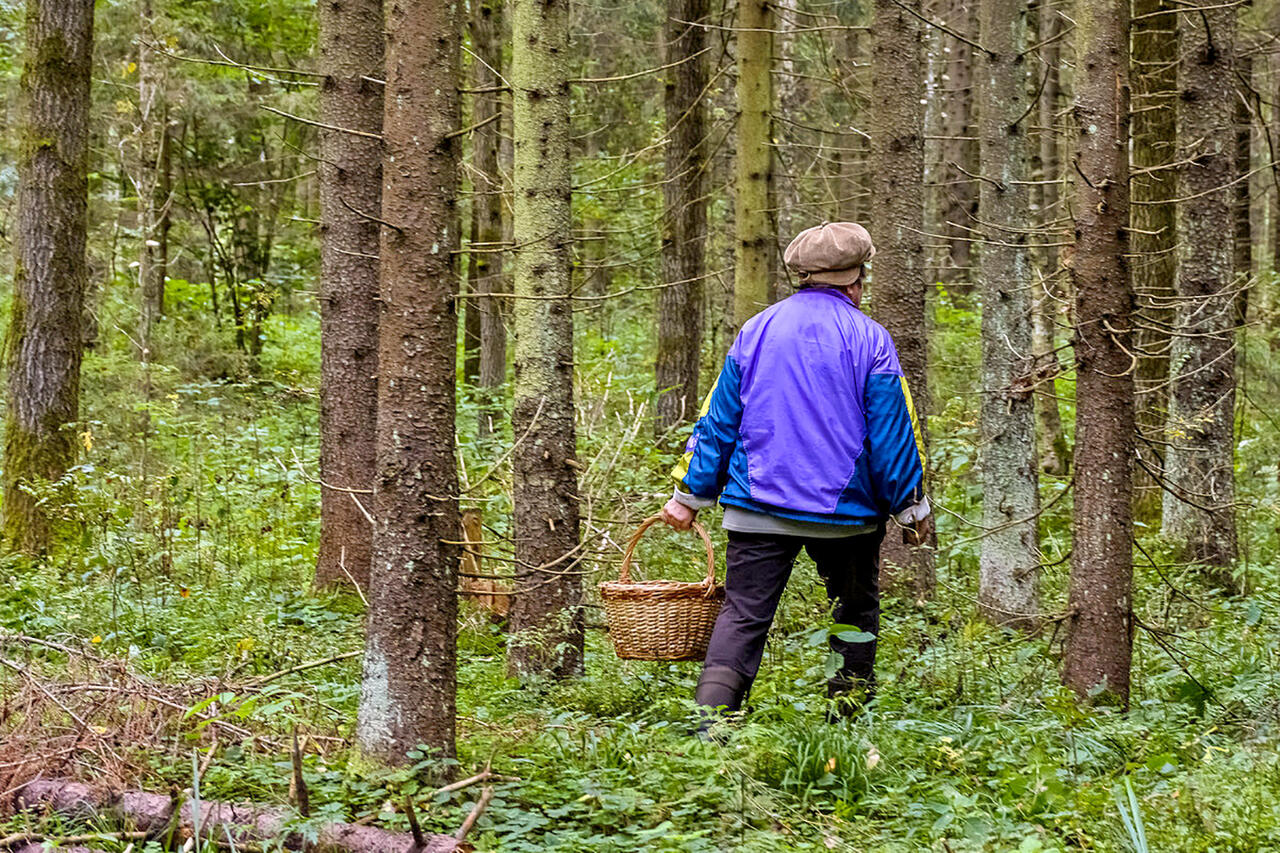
pixel 1010 558
pixel 351 53
pixel 43 346
pixel 487 226
pixel 684 221
pixel 753 175
pixel 408 689
pixel 897 289
pixel 959 148
pixel 1199 514
pixel 547 606
pixel 1154 266
pixel 1100 629
pixel 1054 450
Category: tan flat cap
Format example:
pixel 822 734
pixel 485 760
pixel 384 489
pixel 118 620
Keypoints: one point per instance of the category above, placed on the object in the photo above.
pixel 831 253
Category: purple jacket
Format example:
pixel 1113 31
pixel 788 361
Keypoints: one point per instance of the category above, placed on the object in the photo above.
pixel 810 419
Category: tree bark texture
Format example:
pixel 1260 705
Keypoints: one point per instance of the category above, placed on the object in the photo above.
pixel 753 175
pixel 351 50
pixel 1199 463
pixel 1154 265
pixel 684 221
pixel 43 346
pixel 487 208
pixel 1100 627
pixel 897 287
pixel 1009 561
pixel 546 614
pixel 408 688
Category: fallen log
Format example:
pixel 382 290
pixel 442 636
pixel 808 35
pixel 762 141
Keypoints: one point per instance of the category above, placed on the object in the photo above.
pixel 244 822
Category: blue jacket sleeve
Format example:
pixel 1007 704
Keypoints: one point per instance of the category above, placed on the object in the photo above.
pixel 895 446
pixel 704 469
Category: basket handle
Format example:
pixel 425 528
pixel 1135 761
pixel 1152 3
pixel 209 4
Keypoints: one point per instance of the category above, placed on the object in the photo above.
pixel 625 575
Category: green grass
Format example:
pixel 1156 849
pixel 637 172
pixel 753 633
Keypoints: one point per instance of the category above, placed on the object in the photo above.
pixel 194 529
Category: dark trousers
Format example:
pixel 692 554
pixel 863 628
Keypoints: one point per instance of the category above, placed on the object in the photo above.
pixel 759 566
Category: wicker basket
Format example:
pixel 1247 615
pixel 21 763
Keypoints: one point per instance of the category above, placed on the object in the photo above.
pixel 662 620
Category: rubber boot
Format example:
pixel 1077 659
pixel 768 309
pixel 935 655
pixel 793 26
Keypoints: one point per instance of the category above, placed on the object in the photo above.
pixel 720 691
pixel 850 693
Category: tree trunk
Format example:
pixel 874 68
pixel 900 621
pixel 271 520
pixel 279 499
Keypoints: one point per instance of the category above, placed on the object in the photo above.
pixel 408 689
pixel 43 346
pixel 1055 452
pixel 351 51
pixel 959 149
pixel 753 174
pixel 487 230
pixel 1154 266
pixel 1010 558
pixel 684 221
pixel 152 152
pixel 1100 628
pixel 1199 465
pixel 853 194
pixel 547 606
pixel 897 291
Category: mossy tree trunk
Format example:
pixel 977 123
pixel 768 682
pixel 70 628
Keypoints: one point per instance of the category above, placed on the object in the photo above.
pixel 897 294
pixel 408 691
pixel 1099 642
pixel 351 54
pixel 546 613
pixel 753 169
pixel 43 347
pixel 1008 590
pixel 684 220
pixel 1199 512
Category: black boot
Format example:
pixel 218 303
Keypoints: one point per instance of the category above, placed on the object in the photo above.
pixel 849 692
pixel 721 690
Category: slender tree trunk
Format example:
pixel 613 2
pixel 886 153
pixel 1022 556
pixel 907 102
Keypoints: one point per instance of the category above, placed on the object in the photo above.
pixel 1010 557
pixel 853 195
pixel 789 95
pixel 1154 265
pixel 487 229
pixel 408 689
pixel 1100 628
pixel 1199 514
pixel 1055 453
pixel 351 53
pixel 897 292
pixel 546 610
pixel 152 133
pixel 753 176
pixel 684 221
pixel 43 346
pixel 959 148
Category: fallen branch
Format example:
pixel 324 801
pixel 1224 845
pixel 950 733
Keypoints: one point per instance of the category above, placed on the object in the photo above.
pixel 245 823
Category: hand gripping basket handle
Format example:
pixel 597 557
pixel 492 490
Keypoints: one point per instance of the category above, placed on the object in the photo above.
pixel 625 575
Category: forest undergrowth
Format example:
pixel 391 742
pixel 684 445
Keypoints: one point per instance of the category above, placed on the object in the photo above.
pixel 185 591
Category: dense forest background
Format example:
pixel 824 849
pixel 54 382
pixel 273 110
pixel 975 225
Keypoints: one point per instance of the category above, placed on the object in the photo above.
pixel 173 612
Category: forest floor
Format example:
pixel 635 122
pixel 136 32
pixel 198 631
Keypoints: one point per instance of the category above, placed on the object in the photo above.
pixel 188 584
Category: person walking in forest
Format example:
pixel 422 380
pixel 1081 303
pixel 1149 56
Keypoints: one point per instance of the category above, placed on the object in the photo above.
pixel 809 440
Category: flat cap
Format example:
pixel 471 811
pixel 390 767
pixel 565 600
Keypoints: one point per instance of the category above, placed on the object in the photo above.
pixel 830 253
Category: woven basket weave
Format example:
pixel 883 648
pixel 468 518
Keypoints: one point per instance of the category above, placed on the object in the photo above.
pixel 662 620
